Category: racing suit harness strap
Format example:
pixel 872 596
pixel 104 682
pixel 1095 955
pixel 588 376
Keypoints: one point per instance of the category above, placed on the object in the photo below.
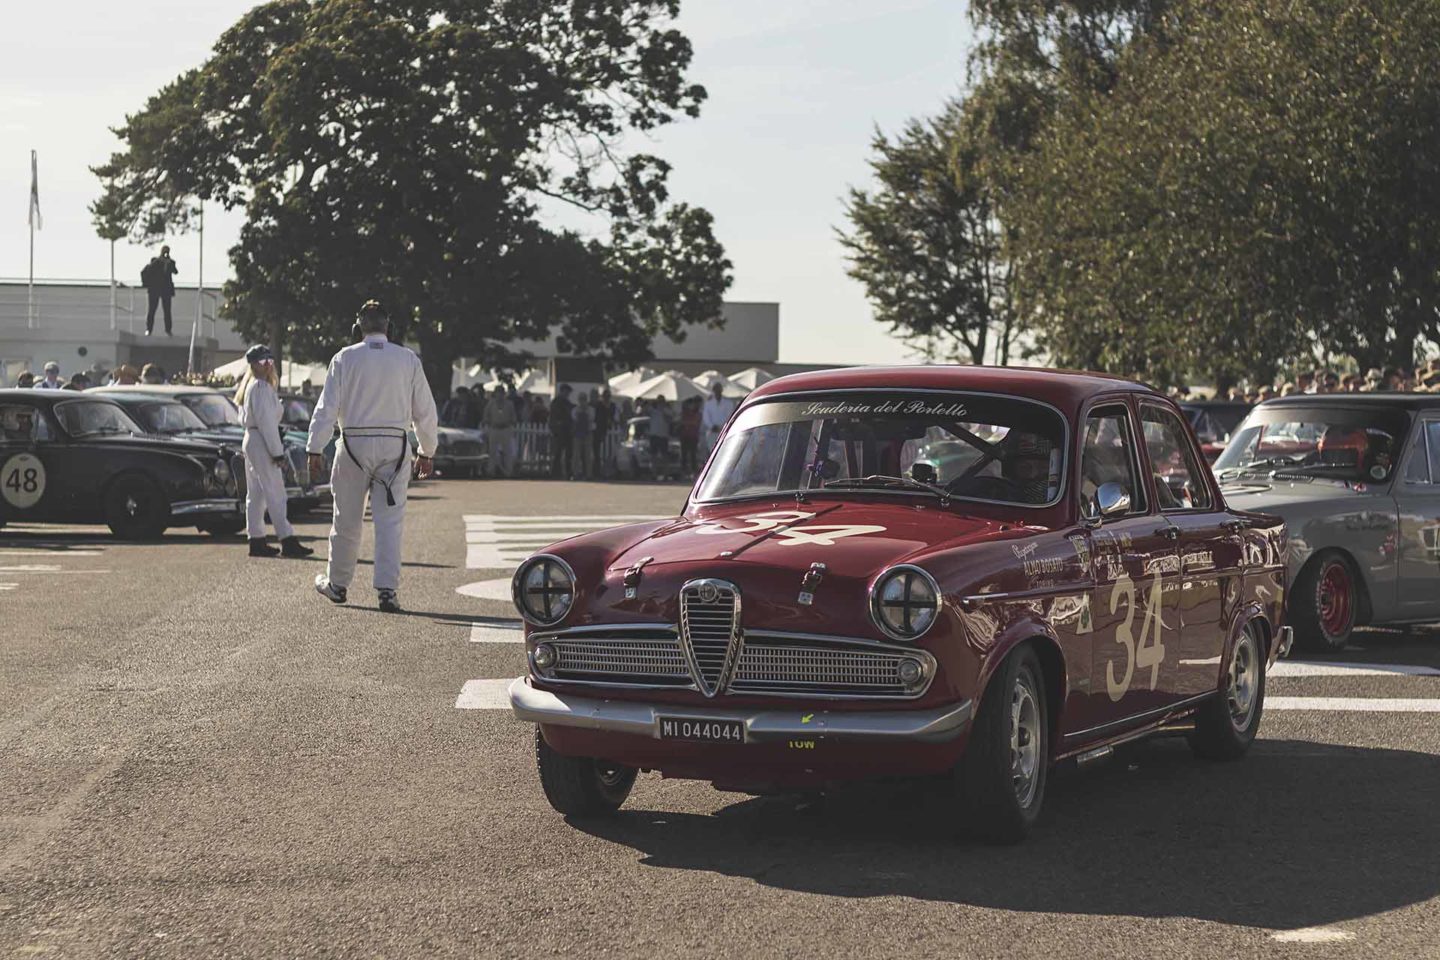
pixel 386 432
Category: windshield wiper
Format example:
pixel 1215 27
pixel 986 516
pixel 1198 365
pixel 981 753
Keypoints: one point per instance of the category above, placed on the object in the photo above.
pixel 1257 466
pixel 882 481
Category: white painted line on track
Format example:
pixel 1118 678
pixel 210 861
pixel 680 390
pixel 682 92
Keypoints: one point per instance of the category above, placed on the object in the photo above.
pixel 1354 704
pixel 1297 668
pixel 497 633
pixel 614 518
pixel 1312 935
pixel 498 589
pixel 6 552
pixel 8 586
pixel 51 571
pixel 484 695
pixel 32 568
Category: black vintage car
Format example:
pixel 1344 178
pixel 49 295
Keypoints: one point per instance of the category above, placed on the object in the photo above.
pixel 220 414
pixel 69 457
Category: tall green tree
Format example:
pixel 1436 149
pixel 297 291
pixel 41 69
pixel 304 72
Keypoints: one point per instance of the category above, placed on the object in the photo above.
pixel 926 242
pixel 1259 185
pixel 411 150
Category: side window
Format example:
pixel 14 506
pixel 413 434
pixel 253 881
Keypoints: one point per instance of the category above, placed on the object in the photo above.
pixel 1107 455
pixel 1417 461
pixel 1179 484
pixel 1432 438
pixel 21 423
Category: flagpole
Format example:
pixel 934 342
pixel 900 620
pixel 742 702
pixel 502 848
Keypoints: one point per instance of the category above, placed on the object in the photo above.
pixel 30 289
pixel 112 284
pixel 199 296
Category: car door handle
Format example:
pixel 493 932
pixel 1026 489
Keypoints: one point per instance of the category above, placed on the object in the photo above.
pixel 1169 533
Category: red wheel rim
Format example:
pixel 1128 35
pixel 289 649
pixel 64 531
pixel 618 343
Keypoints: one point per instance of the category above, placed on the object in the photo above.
pixel 1334 600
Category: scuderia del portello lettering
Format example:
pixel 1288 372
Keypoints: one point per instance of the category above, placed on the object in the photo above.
pixel 909 407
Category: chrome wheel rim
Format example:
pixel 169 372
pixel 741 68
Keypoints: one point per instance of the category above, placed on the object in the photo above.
pixel 1244 681
pixel 1024 740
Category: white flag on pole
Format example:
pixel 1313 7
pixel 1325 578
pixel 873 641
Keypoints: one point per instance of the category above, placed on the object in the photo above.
pixel 35 219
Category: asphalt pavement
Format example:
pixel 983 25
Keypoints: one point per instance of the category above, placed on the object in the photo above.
pixel 200 757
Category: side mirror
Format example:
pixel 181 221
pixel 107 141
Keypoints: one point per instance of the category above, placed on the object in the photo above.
pixel 1112 499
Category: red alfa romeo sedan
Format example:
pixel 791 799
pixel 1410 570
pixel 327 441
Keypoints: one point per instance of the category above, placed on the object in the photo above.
pixel 910 571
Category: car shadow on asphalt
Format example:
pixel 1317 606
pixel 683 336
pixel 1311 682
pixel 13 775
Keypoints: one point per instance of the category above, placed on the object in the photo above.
pixel 1298 834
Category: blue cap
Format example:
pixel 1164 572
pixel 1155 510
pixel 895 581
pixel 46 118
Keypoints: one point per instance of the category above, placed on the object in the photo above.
pixel 258 354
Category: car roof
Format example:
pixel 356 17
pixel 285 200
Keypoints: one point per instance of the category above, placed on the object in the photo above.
pixel 155 389
pixel 122 394
pixel 1067 389
pixel 1405 401
pixel 47 397
pixel 1213 404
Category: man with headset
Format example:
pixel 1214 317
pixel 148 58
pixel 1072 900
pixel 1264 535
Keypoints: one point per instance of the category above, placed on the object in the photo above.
pixel 376 390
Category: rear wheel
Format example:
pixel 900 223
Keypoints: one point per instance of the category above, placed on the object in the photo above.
pixel 1324 602
pixel 1001 778
pixel 1226 725
pixel 135 508
pixel 581 786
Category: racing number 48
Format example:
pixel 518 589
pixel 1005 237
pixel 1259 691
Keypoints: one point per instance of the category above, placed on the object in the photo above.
pixel 1151 649
pixel 27 481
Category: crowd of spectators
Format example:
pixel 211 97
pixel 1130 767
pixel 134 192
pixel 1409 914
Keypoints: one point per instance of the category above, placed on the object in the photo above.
pixel 578 434
pixel 50 377
pixel 1425 379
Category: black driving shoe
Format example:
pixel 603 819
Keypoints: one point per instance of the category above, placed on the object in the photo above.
pixel 389 602
pixel 260 548
pixel 292 547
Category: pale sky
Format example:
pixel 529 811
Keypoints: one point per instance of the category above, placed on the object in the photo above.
pixel 796 88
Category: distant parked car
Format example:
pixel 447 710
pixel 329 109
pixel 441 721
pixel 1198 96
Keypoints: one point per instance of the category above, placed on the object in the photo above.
pixel 634 459
pixel 1213 422
pixel 219 413
pixel 1356 477
pixel 77 458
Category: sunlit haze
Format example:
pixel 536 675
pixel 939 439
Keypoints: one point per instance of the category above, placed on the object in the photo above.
pixel 795 86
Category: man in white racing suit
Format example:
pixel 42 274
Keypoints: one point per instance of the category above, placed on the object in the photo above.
pixel 376 391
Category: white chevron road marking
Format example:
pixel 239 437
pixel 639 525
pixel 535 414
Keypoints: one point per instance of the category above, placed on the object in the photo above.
pixel 1299 668
pixel 1354 704
pixel 484 695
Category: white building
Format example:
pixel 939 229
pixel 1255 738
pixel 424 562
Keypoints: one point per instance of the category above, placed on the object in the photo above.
pixel 77 324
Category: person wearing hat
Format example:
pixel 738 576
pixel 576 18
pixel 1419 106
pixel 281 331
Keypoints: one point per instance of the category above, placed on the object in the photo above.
pixel 51 380
pixel 264 457
pixel 375 391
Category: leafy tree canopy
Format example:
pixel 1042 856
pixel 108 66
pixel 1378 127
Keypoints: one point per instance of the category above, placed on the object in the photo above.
pixel 403 149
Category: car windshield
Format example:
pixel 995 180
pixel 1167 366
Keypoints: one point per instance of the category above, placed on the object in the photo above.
pixel 86 418
pixel 213 409
pixel 170 418
pixel 1214 424
pixel 967 446
pixel 1331 442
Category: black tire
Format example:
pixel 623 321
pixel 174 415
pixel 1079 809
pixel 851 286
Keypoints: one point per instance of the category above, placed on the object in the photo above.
pixel 581 786
pixel 1324 601
pixel 135 508
pixel 1226 725
pixel 999 800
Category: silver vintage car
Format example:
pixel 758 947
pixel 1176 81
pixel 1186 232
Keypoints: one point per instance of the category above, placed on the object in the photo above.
pixel 1356 478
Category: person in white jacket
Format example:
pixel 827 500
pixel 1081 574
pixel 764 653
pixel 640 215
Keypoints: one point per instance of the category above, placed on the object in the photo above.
pixel 264 456
pixel 375 391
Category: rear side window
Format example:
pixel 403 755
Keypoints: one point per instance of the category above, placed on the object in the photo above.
pixel 22 423
pixel 1179 484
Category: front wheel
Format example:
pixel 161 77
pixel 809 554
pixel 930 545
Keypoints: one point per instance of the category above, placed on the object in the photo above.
pixel 1226 725
pixel 1323 603
pixel 581 786
pixel 135 508
pixel 1001 778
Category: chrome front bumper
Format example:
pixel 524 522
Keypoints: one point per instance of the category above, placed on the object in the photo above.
pixel 188 508
pixel 1287 639
pixel 643 719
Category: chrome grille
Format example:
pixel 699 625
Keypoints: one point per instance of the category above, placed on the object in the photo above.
pixel 709 630
pixel 622 659
pixel 819 670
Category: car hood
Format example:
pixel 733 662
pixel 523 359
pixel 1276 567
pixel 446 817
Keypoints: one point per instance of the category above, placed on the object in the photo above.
pixel 1272 496
pixel 851 539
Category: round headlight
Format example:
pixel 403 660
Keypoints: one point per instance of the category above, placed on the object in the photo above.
pixel 221 471
pixel 544 589
pixel 904 601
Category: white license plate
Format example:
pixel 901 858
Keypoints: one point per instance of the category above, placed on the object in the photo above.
pixel 702 731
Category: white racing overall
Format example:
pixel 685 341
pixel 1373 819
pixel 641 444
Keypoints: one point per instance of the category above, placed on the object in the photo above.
pixel 375 391
pixel 264 480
